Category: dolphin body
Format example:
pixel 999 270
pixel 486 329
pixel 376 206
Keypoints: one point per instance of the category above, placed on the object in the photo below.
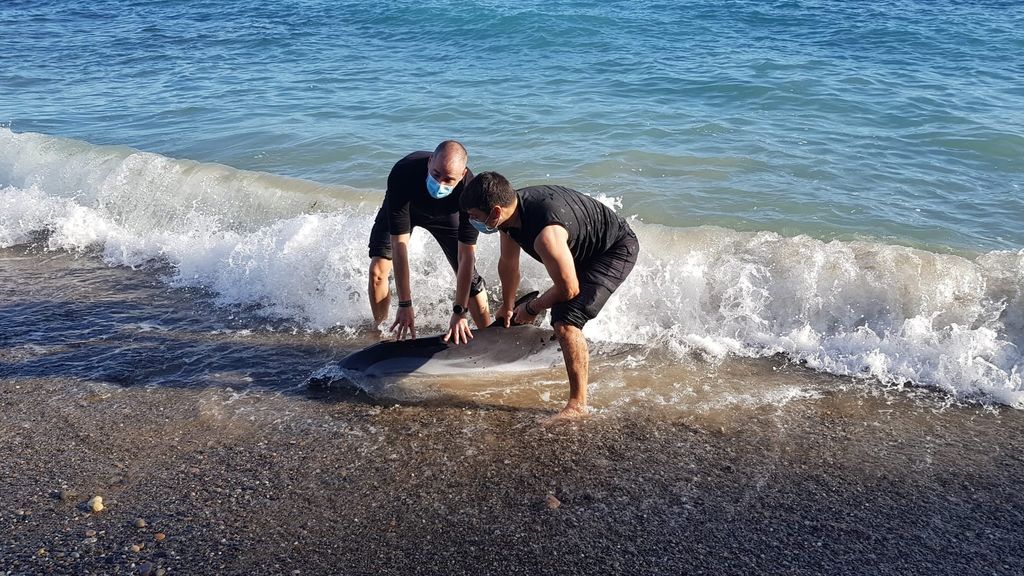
pixel 494 348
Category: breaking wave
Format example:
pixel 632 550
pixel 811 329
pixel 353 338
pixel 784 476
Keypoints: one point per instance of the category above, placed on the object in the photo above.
pixel 296 249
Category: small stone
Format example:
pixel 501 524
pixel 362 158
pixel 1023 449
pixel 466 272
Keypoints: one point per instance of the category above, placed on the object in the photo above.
pixel 66 495
pixel 140 523
pixel 159 536
pixel 147 569
pixel 552 502
pixel 41 552
pixel 90 533
pixel 161 571
pixel 136 548
pixel 96 503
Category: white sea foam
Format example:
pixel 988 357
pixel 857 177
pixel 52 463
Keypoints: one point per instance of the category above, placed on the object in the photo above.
pixel 297 249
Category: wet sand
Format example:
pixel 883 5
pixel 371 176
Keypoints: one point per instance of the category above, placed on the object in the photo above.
pixel 258 482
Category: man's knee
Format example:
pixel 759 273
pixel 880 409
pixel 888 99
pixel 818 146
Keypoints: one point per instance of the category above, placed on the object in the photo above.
pixel 566 332
pixel 479 286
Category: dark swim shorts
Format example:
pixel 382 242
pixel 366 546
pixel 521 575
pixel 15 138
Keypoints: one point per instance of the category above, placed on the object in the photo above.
pixel 602 276
pixel 447 237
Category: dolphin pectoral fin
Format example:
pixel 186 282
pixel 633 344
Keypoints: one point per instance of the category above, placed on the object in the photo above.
pixel 524 298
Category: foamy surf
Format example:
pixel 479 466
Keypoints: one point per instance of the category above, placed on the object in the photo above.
pixel 297 250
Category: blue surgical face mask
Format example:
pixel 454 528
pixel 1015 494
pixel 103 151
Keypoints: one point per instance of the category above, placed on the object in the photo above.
pixel 482 228
pixel 436 189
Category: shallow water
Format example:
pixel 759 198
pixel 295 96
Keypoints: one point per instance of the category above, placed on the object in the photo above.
pixel 73 318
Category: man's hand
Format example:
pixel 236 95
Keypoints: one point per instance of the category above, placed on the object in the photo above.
pixel 405 321
pixel 522 314
pixel 506 313
pixel 459 327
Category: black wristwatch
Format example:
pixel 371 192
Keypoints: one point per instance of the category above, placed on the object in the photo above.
pixel 459 309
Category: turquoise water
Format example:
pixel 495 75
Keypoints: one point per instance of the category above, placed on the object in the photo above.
pixel 900 121
pixel 835 183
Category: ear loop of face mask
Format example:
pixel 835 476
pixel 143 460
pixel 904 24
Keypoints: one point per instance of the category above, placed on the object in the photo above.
pixel 482 227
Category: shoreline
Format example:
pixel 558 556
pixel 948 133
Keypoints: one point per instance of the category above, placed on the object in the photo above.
pixel 257 482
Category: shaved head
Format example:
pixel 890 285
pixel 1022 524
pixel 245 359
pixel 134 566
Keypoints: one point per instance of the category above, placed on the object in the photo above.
pixel 452 150
pixel 448 162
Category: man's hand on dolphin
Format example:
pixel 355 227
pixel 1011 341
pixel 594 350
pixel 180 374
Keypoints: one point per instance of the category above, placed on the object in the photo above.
pixel 459 328
pixel 405 321
pixel 522 314
pixel 506 313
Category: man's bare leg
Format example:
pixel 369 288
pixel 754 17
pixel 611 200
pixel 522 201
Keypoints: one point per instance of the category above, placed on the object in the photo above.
pixel 479 310
pixel 379 289
pixel 577 366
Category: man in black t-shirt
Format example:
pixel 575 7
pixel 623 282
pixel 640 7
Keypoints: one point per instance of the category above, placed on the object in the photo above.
pixel 587 249
pixel 424 190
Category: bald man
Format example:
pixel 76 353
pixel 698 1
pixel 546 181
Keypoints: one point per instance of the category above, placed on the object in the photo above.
pixel 423 190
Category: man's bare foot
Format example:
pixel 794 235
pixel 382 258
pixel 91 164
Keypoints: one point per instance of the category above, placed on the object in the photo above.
pixel 573 412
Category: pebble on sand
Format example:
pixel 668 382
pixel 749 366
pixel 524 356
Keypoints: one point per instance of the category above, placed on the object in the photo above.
pixel 136 548
pixel 140 523
pixel 159 536
pixel 96 503
pixel 552 502
pixel 90 533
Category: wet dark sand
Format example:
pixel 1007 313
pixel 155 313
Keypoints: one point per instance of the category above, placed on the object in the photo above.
pixel 265 483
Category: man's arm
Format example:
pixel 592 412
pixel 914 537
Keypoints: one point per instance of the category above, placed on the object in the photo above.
pixel 400 223
pixel 458 326
pixel 508 274
pixel 464 277
pixel 552 245
pixel 405 319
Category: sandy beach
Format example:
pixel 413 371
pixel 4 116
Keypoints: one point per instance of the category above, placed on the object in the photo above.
pixel 229 481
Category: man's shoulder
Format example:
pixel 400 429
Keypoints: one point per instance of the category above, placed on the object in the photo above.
pixel 545 197
pixel 545 191
pixel 411 162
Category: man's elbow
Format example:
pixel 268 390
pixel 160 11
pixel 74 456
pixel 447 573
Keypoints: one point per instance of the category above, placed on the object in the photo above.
pixel 570 291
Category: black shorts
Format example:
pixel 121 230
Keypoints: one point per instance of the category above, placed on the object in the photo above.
pixel 598 279
pixel 447 237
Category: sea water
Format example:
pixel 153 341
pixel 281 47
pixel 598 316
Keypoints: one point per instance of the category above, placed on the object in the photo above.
pixel 836 185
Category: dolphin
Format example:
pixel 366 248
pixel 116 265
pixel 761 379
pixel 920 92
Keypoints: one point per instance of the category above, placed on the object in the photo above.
pixel 494 348
pixel 513 349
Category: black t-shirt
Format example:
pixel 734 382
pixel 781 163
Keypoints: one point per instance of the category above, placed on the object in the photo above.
pixel 593 227
pixel 409 204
